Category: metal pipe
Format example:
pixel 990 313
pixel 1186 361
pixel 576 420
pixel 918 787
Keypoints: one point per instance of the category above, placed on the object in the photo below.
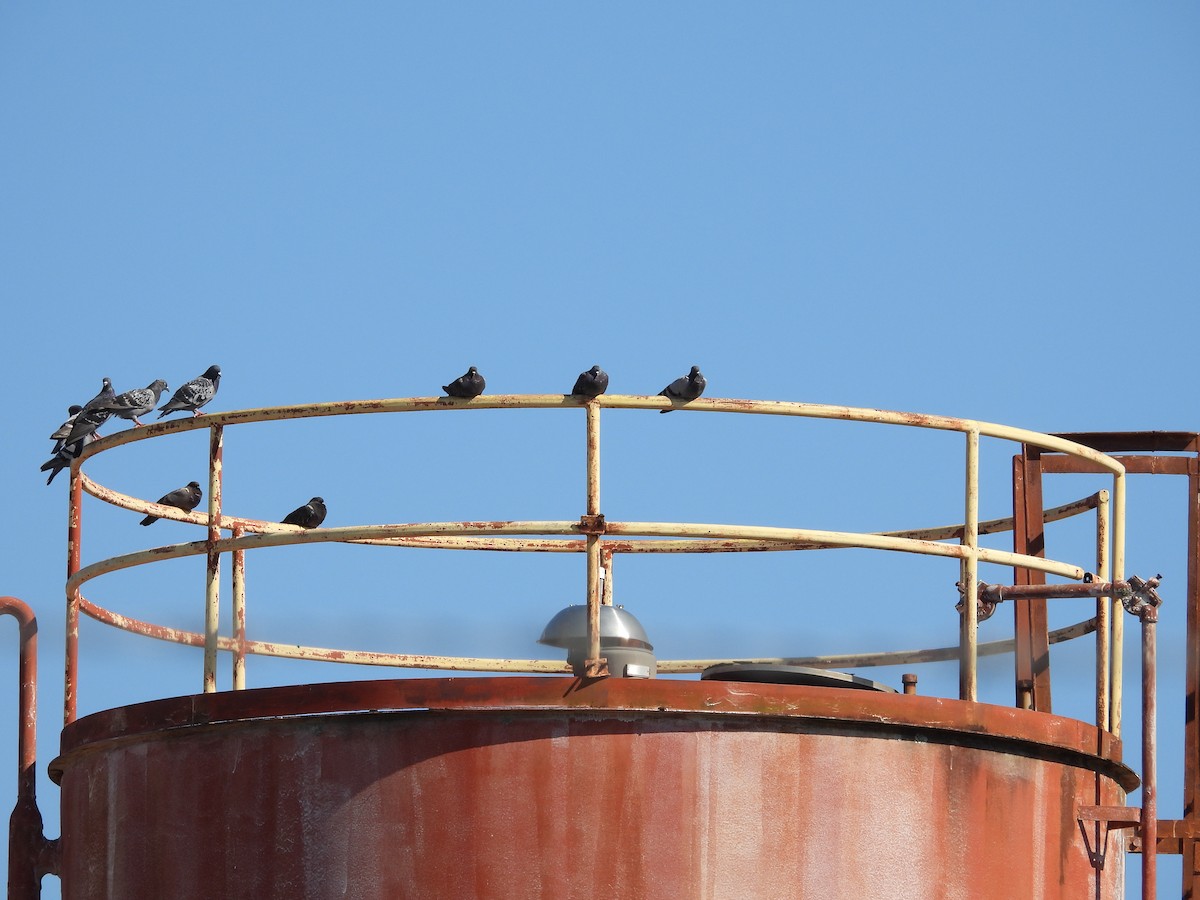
pixel 594 664
pixel 461 663
pixel 212 585
pixel 1103 614
pixel 933 533
pixel 30 855
pixel 996 593
pixel 606 574
pixel 239 615
pixel 609 401
pixel 1116 692
pixel 74 537
pixel 1149 771
pixel 968 673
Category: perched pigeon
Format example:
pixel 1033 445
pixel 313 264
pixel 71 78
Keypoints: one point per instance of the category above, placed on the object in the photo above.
pixel 686 387
pixel 591 383
pixel 466 386
pixel 64 455
pixel 61 432
pixel 102 398
pixel 194 394
pixel 310 515
pixel 87 421
pixel 186 498
pixel 137 402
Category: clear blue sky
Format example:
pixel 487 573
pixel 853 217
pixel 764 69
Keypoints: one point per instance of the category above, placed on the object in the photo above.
pixel 978 210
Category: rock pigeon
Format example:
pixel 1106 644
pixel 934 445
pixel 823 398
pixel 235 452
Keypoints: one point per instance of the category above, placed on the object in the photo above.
pixel 64 455
pixel 102 398
pixel 686 387
pixel 194 394
pixel 137 402
pixel 591 383
pixel 93 414
pixel 186 498
pixel 310 515
pixel 61 432
pixel 87 421
pixel 466 386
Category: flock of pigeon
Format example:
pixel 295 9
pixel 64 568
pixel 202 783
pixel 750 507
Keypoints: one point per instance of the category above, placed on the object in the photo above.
pixel 80 428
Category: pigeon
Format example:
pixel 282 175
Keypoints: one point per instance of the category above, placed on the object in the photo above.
pixel 102 398
pixel 685 388
pixel 591 383
pixel 86 422
pixel 91 417
pixel 466 386
pixel 194 394
pixel 186 498
pixel 137 402
pixel 64 455
pixel 310 515
pixel 61 432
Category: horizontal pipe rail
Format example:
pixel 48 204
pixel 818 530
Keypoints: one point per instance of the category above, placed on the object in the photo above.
pixel 607 401
pixel 353 533
pixel 548 666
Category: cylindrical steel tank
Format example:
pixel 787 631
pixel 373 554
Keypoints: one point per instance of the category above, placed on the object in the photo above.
pixel 558 787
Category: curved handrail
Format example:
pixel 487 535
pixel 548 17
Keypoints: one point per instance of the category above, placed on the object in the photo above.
pixel 584 536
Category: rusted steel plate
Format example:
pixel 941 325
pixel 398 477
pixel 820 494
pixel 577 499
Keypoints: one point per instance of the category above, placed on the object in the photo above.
pixel 528 787
pixel 985 722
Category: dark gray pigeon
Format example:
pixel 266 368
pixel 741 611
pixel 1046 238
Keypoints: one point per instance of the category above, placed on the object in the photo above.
pixel 102 398
pixel 591 383
pixel 92 416
pixel 466 386
pixel 64 455
pixel 310 515
pixel 686 387
pixel 61 432
pixel 87 421
pixel 194 394
pixel 137 402
pixel 186 498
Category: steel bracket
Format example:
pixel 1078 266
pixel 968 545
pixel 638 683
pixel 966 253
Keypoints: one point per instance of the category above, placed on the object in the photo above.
pixel 1106 819
pixel 592 524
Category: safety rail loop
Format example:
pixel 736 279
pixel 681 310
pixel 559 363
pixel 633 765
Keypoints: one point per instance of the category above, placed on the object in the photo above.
pixel 592 527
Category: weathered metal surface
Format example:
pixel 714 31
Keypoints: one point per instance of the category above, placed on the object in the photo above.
pixel 527 787
pixel 1191 710
pixel 212 584
pixel 1032 663
pixel 30 855
pixel 968 663
pixel 1181 836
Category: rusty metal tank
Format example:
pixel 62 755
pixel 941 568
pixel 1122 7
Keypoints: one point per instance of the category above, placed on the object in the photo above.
pixel 567 787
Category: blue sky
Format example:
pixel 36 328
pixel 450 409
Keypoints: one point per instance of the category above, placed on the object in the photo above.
pixel 986 211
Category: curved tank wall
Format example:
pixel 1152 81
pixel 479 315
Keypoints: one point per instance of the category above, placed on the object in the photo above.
pixel 556 787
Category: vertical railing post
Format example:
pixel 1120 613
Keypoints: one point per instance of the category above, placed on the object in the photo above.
pixel 30 855
pixel 606 572
pixel 1103 612
pixel 594 665
pixel 74 535
pixel 1149 735
pixel 1117 672
pixel 239 614
pixel 212 591
pixel 968 677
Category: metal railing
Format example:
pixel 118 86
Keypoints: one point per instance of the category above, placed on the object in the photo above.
pixel 593 535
